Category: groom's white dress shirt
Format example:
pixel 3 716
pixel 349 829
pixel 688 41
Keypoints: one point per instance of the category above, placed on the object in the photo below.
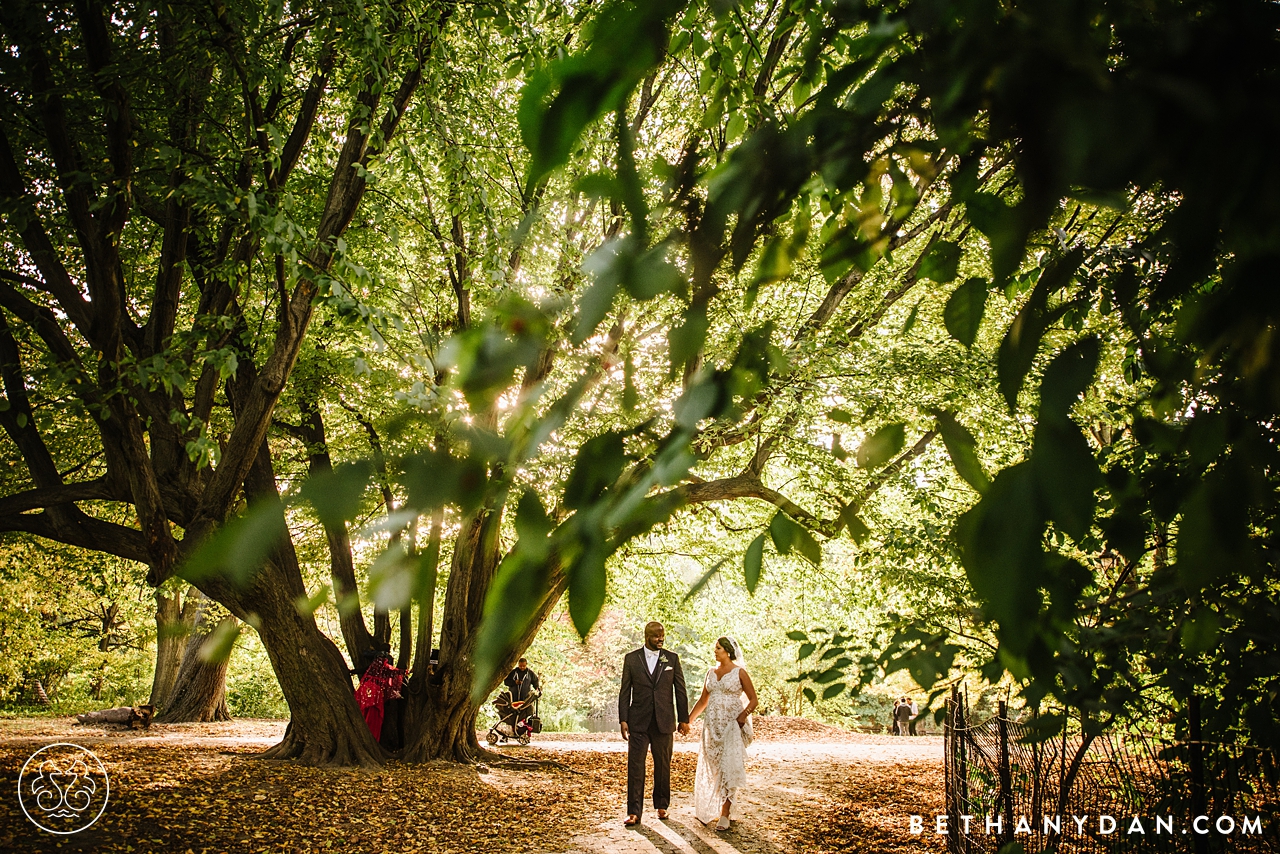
pixel 650 658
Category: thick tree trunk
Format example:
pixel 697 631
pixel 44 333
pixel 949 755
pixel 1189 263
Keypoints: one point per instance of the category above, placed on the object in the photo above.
pixel 325 726
pixel 200 690
pixel 440 718
pixel 200 695
pixel 173 629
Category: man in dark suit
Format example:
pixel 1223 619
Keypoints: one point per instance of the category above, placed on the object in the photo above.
pixel 651 701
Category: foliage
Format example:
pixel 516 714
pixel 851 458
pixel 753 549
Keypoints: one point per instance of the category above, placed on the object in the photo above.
pixel 1032 115
pixel 754 255
pixel 78 623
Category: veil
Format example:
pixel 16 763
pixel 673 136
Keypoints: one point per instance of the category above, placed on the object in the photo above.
pixel 738 658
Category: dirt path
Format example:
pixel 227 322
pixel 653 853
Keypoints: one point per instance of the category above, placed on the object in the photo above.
pixel 811 789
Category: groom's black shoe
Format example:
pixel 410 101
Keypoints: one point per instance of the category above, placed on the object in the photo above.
pixel 662 815
pixel 632 821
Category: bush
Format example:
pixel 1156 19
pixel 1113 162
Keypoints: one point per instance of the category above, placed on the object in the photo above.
pixel 252 689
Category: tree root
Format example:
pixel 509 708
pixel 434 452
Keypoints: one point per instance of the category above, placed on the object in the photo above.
pixel 307 752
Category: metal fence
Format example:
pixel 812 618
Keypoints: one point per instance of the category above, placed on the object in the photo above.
pixel 1109 793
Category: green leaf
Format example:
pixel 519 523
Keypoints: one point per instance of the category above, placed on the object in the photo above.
pixel 686 340
pixel 532 523
pixel 809 695
pixel 306 606
pixel 840 415
pixel 1068 376
pixel 1200 632
pixel 806 650
pixel 593 306
pixel 808 546
pixel 788 534
pixel 1000 547
pixel 797 635
pixel 652 274
pixel 1064 465
pixel 217 647
pixel 1018 348
pixel 336 494
pixel 782 530
pixel 598 185
pixel 1003 226
pixel 849 518
pixel 1126 531
pixel 833 691
pixel 1213 534
pixel 391 579
pixel 737 125
pixel 911 319
pixel 882 446
pixel 753 563
pixel 630 397
pixel 436 478
pixel 600 461
pixel 703 579
pixel 961 447
pixel 829 675
pixel 628 40
pixel 941 262
pixel 965 307
pixel 587 587
pixel 699 401
pixel 239 549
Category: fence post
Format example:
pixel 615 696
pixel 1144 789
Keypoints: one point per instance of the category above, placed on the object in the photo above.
pixel 951 751
pixel 1006 778
pixel 962 726
pixel 1198 806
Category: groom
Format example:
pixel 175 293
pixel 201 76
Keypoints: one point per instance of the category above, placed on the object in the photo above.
pixel 651 682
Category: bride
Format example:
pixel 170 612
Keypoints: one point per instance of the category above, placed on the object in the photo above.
pixel 726 732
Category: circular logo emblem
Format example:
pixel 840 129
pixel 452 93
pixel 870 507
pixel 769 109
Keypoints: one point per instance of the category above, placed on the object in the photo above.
pixel 63 788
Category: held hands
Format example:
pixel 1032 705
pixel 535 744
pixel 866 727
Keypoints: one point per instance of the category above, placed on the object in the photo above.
pixel 684 729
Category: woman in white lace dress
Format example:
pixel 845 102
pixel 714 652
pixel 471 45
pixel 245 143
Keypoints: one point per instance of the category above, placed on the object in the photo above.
pixel 726 732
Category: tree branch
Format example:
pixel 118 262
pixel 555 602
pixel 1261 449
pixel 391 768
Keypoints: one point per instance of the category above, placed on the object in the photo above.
pixel 98 489
pixel 86 532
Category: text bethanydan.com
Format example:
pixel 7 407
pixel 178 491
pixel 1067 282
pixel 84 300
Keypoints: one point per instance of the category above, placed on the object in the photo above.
pixel 1102 825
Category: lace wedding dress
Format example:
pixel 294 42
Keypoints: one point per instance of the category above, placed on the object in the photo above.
pixel 722 757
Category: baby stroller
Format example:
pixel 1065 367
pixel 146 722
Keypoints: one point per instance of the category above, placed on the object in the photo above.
pixel 517 719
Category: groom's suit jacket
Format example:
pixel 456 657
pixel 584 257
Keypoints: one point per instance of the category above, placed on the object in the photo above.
pixel 648 698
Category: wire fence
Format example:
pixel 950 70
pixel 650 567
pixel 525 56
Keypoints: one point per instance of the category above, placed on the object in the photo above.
pixel 1108 793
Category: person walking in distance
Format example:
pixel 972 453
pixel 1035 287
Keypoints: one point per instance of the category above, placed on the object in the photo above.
pixel 915 713
pixel 901 715
pixel 652 704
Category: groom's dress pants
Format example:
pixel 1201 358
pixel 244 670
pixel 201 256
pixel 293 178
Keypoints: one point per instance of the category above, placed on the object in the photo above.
pixel 638 744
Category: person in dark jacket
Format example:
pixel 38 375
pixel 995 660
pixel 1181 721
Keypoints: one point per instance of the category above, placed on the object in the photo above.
pixel 522 682
pixel 901 716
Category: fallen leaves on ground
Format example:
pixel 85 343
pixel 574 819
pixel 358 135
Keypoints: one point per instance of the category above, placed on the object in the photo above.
pixel 198 789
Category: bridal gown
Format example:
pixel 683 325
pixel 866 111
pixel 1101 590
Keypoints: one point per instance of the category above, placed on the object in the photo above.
pixel 723 754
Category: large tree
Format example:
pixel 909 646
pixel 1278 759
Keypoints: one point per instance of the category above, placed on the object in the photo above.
pixel 150 161
pixel 174 233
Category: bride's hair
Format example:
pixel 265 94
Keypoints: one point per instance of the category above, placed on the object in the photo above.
pixel 727 646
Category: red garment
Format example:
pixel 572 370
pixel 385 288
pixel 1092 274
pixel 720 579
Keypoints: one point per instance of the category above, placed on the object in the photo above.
pixel 380 681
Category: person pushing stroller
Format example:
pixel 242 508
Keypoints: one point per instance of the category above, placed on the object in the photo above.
pixel 517 706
